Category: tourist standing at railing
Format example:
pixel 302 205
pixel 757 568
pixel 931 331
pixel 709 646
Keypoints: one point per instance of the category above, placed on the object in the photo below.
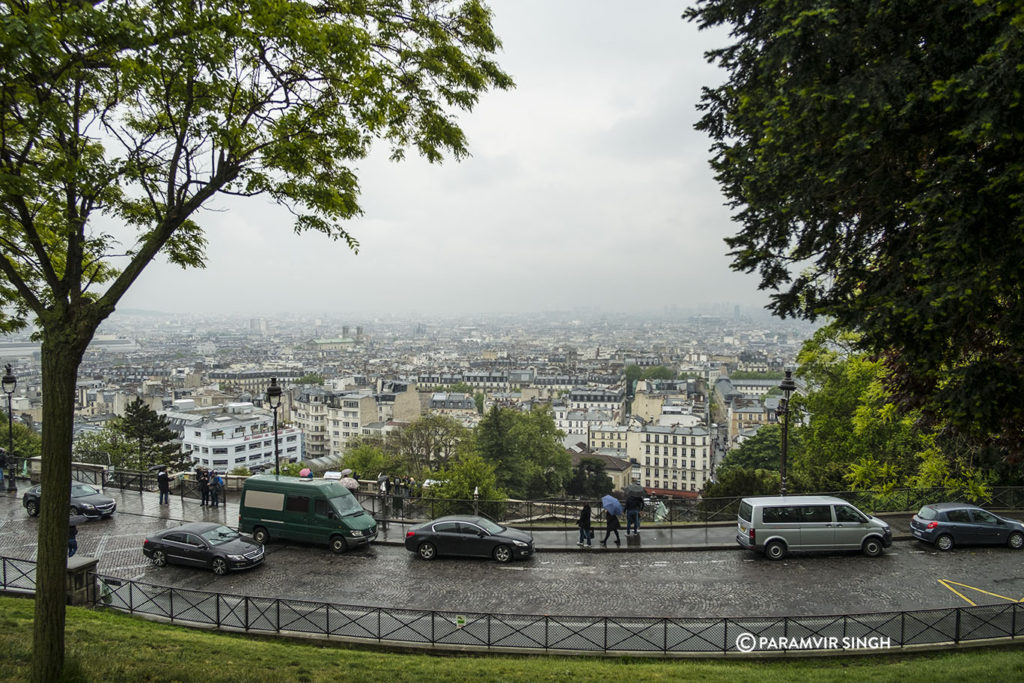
pixel 164 486
pixel 216 484
pixel 203 479
pixel 586 532
pixel 634 504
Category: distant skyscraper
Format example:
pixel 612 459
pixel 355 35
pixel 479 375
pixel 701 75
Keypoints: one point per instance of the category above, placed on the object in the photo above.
pixel 258 325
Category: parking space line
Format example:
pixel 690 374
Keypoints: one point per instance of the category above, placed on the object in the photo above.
pixel 949 584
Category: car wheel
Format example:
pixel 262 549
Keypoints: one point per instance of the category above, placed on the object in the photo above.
pixel 1015 540
pixel 944 542
pixel 872 547
pixel 260 535
pixel 338 544
pixel 33 508
pixel 503 553
pixel 159 558
pixel 219 566
pixel 776 550
pixel 427 551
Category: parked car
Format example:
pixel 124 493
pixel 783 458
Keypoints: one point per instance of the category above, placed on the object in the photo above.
pixel 468 537
pixel 778 525
pixel 85 500
pixel 949 524
pixel 203 544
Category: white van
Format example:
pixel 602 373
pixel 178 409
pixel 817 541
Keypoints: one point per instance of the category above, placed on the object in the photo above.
pixel 778 525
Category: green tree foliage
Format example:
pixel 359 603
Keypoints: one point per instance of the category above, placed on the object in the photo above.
pixel 427 443
pixel 28 443
pixel 139 114
pixel 658 372
pixel 106 447
pixel 850 422
pixel 154 442
pixel 311 378
pixel 367 459
pixel 741 481
pixel 760 452
pixel 465 474
pixel 589 479
pixel 525 450
pixel 871 152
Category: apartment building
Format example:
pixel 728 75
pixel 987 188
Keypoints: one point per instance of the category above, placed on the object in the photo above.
pixel 671 459
pixel 240 436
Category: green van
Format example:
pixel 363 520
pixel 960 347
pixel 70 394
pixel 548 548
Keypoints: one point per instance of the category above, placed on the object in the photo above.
pixel 310 510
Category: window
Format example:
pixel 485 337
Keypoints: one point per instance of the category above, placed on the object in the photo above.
pixel 959 516
pixel 321 507
pixel 220 451
pixel 297 504
pixel 240 449
pixel 845 513
pixel 816 513
pixel 238 460
pixel 982 517
pixel 221 462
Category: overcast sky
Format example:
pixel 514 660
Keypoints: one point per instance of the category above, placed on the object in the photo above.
pixel 587 189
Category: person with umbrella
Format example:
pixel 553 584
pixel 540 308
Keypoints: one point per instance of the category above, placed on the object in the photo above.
pixel 348 481
pixel 164 485
pixel 612 510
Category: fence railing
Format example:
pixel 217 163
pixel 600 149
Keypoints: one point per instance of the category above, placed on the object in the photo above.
pixel 879 631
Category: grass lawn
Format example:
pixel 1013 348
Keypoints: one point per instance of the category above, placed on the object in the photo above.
pixel 109 646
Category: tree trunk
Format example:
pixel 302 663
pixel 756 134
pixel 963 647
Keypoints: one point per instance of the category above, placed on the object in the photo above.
pixel 61 356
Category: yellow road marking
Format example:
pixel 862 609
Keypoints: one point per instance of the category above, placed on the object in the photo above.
pixel 949 584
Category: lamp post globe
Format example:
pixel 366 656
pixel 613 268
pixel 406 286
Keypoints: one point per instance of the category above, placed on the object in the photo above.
pixel 274 401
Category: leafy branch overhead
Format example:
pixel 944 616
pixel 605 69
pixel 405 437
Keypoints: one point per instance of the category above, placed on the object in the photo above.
pixel 140 113
pixel 871 155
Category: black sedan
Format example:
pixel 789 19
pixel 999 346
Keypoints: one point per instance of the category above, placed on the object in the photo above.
pixel 948 524
pixel 468 537
pixel 203 544
pixel 85 500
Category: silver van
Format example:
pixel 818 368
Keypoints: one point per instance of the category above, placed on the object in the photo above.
pixel 777 525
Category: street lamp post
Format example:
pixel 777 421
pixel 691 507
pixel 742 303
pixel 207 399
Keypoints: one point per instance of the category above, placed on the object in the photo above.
pixel 787 386
pixel 274 399
pixel 9 382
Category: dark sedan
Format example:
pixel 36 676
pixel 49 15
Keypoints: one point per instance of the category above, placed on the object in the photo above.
pixel 948 524
pixel 85 500
pixel 203 544
pixel 468 537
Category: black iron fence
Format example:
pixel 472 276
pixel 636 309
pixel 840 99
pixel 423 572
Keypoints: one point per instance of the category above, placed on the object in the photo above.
pixel 527 514
pixel 873 632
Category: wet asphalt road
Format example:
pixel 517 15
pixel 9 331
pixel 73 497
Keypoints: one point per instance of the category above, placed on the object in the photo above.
pixel 671 583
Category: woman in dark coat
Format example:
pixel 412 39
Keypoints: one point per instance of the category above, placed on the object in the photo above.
pixel 586 533
pixel 613 526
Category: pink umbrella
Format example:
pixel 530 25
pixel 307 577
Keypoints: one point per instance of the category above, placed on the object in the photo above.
pixel 305 472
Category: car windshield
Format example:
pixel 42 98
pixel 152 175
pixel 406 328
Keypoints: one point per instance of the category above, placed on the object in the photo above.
pixel 346 505
pixel 490 526
pixel 83 490
pixel 219 534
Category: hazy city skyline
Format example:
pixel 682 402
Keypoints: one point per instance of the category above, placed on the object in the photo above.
pixel 587 189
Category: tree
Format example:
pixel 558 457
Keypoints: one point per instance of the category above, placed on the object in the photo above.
pixel 741 481
pixel 466 474
pixel 589 479
pixel 139 114
pixel 311 378
pixel 152 436
pixel 760 452
pixel 367 459
pixel 525 450
pixel 428 442
pixel 27 442
pixel 871 152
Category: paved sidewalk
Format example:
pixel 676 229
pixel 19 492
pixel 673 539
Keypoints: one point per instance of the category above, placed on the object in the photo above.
pixel 717 536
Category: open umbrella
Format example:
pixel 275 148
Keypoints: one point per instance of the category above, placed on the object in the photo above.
pixel 306 472
pixel 612 505
pixel 635 491
pixel 346 472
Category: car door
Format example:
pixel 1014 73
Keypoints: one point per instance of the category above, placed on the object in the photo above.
pixel 988 528
pixel 446 537
pixel 850 526
pixel 475 541
pixel 297 522
pixel 961 526
pixel 816 531
pixel 176 547
pixel 197 550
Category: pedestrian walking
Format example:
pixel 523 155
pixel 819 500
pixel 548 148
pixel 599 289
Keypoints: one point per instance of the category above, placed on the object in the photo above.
pixel 586 531
pixel 216 486
pixel 634 505
pixel 203 479
pixel 72 538
pixel 613 526
pixel 164 485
